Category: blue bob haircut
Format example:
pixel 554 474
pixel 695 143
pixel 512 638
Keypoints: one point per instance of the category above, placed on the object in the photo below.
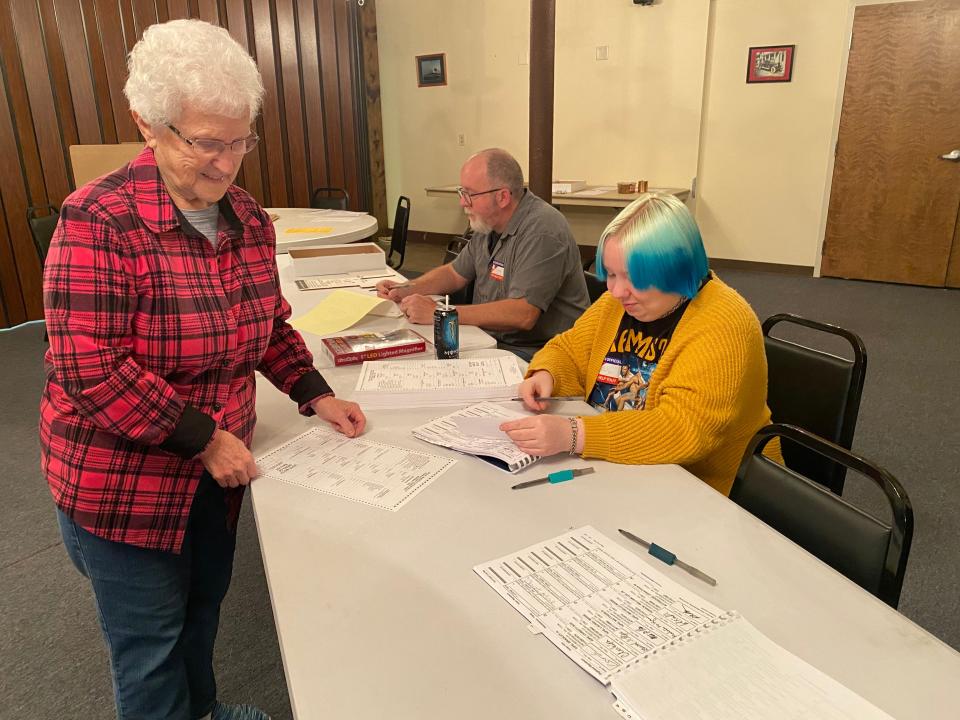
pixel 662 247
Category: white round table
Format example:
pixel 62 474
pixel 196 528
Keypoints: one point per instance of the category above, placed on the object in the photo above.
pixel 308 227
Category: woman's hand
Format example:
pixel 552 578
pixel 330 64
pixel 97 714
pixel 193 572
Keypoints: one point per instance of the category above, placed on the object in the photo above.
pixel 345 416
pixel 228 460
pixel 543 434
pixel 538 385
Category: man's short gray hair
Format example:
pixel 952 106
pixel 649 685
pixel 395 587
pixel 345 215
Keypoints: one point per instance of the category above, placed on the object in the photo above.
pixel 503 170
pixel 191 63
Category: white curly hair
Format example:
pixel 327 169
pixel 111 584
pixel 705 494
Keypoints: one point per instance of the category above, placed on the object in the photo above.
pixel 191 63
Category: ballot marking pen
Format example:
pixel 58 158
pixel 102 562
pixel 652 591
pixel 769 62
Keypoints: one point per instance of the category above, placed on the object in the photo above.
pixel 555 477
pixel 668 557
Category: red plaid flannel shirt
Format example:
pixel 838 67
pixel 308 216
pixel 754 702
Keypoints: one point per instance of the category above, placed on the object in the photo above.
pixel 154 339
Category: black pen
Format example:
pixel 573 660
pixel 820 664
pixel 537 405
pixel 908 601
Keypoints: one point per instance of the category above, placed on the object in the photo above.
pixel 561 398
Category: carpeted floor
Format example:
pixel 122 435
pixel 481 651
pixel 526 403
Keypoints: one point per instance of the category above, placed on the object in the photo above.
pixel 52 661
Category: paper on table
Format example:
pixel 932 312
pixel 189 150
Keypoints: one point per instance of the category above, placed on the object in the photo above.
pixel 473 430
pixel 482 427
pixel 593 191
pixel 595 600
pixel 732 671
pixel 322 230
pixel 430 383
pixel 384 476
pixel 342 309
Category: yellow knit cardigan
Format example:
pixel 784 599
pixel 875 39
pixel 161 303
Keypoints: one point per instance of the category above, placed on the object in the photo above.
pixel 706 398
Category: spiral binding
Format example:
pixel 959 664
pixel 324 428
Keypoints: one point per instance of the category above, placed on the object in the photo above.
pixel 683 639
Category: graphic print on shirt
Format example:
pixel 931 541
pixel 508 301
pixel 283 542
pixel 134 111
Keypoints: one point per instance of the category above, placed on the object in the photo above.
pixel 625 373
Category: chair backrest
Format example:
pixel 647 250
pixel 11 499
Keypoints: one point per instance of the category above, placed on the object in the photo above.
pixel 464 296
pixel 817 391
pixel 88 162
pixel 870 552
pixel 398 238
pixel 329 198
pixel 595 286
pixel 42 228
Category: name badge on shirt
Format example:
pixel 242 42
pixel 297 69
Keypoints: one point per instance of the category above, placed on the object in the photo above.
pixel 496 271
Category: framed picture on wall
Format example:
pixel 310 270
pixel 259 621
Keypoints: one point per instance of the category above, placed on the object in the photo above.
pixel 770 63
pixel 431 70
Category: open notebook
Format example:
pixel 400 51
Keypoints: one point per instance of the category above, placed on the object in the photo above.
pixel 473 430
pixel 662 650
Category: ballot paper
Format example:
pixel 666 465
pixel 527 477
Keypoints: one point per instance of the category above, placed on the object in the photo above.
pixel 664 652
pixel 368 472
pixel 432 383
pixel 474 431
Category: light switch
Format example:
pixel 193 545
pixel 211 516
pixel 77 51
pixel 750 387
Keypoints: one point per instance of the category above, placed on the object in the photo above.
pixel 601 52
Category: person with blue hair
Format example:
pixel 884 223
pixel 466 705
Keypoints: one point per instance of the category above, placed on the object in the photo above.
pixel 671 356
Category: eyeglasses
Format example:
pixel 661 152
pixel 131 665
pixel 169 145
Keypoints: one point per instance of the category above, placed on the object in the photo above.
pixel 211 147
pixel 468 196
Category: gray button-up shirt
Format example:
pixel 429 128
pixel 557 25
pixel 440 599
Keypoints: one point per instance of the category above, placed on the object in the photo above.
pixel 536 259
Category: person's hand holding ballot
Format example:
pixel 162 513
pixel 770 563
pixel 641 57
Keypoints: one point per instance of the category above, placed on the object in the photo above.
pixel 543 434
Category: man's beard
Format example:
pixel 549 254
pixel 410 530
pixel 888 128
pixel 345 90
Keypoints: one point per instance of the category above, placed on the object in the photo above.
pixel 478 225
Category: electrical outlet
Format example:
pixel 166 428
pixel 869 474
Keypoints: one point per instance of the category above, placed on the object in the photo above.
pixel 601 52
pixel 460 139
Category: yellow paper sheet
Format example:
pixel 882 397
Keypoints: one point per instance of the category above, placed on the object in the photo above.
pixel 338 311
pixel 308 230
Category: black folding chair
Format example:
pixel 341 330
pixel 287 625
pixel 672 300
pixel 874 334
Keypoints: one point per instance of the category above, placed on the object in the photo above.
pixel 869 551
pixel 42 228
pixel 329 198
pixel 595 286
pixel 817 391
pixel 463 296
pixel 395 246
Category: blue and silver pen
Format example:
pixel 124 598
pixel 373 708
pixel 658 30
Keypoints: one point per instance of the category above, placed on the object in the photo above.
pixel 668 557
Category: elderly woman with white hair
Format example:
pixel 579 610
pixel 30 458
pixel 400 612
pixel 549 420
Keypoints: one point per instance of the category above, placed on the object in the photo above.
pixel 672 354
pixel 161 298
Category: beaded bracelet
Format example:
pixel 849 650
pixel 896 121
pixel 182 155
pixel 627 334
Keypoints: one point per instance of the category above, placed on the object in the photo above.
pixel 573 436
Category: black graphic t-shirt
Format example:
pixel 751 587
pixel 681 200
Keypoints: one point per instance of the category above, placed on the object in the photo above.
pixel 636 350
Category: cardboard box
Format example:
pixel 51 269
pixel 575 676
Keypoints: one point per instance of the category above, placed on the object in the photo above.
pixel 337 259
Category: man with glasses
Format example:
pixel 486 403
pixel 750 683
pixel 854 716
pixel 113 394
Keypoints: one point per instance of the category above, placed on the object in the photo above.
pixel 522 259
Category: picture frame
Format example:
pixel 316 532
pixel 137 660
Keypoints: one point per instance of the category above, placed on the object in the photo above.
pixel 432 70
pixel 770 63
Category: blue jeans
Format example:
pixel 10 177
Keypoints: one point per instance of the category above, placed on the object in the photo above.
pixel 159 611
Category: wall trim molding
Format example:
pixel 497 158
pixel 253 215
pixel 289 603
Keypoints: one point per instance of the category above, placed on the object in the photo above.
pixel 780 268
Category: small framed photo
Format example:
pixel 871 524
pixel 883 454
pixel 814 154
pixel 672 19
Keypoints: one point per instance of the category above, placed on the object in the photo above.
pixel 770 63
pixel 431 70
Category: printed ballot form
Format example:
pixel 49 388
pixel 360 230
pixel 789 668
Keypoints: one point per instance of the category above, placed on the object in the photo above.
pixel 663 651
pixel 597 601
pixel 430 383
pixel 372 473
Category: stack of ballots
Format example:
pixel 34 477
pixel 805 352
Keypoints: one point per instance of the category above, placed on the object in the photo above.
pixel 432 383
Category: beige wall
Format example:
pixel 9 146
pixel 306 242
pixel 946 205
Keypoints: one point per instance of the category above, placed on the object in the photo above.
pixel 670 103
pixel 766 151
pixel 650 86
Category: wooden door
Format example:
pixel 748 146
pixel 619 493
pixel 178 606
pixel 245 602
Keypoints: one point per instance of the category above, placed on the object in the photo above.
pixel 894 202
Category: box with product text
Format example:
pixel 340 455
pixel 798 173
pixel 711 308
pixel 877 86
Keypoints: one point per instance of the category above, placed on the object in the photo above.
pixel 337 259
pixel 352 349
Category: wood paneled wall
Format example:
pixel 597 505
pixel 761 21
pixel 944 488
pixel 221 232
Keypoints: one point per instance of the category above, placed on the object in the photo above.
pixel 62 70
